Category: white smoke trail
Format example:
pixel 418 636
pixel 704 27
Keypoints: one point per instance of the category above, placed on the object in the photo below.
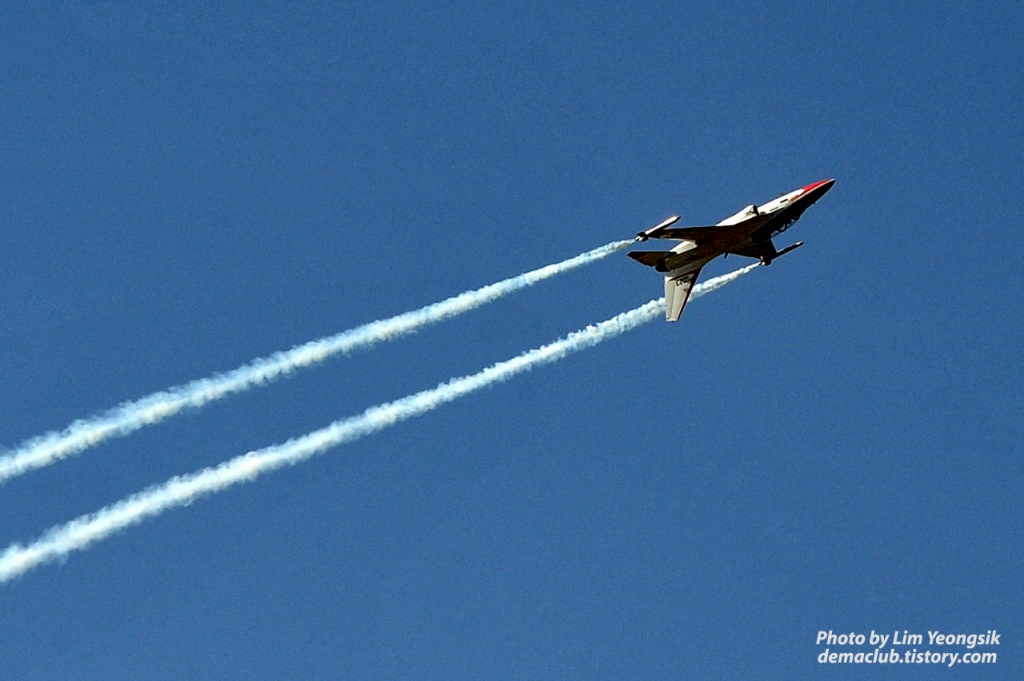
pixel 78 534
pixel 131 416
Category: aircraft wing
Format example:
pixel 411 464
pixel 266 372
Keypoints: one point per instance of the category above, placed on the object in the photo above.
pixel 762 251
pixel 677 292
pixel 698 234
pixel 703 234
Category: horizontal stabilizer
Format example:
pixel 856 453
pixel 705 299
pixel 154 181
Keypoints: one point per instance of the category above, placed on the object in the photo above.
pixel 649 258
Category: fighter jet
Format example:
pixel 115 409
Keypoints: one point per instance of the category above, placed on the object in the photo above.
pixel 748 233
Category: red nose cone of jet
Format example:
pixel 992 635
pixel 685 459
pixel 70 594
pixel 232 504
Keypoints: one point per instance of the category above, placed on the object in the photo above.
pixel 816 190
pixel 819 187
pixel 824 185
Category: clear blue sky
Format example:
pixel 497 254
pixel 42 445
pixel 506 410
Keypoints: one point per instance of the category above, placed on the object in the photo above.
pixel 833 442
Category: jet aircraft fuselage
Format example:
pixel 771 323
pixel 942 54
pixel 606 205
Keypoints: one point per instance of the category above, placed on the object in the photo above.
pixel 748 233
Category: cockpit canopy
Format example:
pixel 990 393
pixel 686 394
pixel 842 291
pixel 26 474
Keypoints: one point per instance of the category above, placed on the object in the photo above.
pixel 745 214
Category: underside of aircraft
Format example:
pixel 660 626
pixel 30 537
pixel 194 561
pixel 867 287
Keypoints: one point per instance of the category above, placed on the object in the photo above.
pixel 748 233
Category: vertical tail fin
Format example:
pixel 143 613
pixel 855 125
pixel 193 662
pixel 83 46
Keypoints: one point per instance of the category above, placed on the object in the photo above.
pixel 677 292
